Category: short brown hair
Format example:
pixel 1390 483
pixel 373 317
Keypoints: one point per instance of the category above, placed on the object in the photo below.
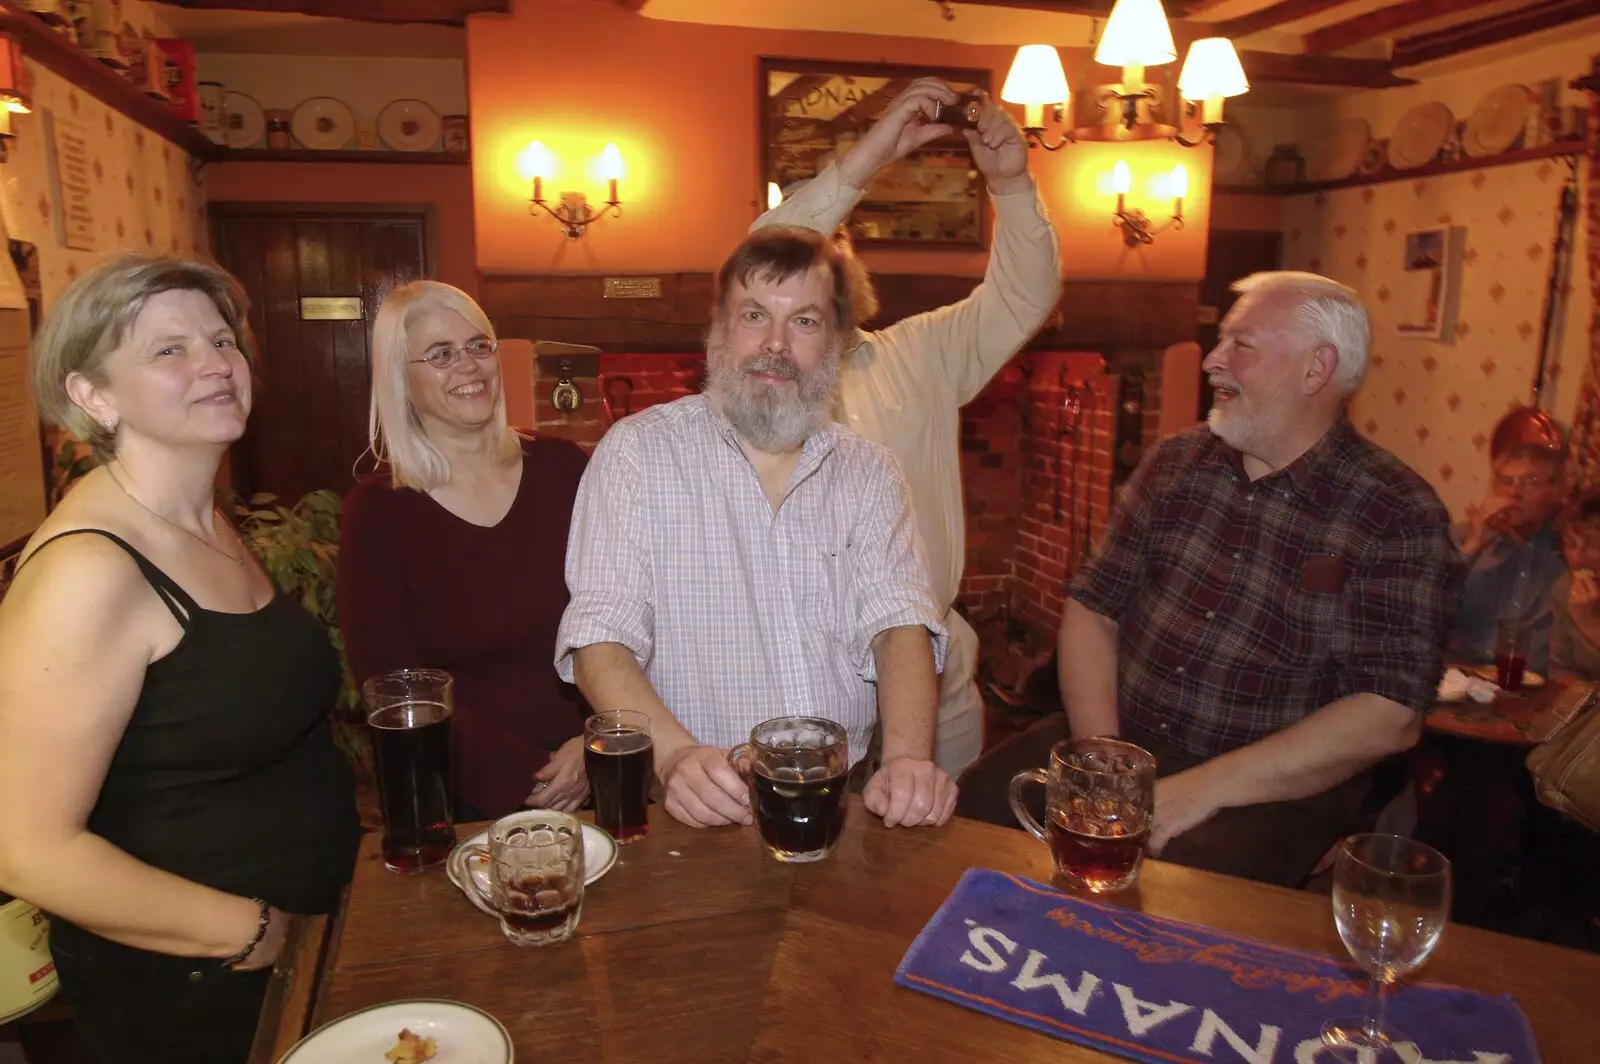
pixel 779 252
pixel 94 315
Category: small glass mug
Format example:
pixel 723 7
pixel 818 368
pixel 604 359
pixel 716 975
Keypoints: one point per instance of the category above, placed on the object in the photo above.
pixel 1100 797
pixel 535 875
pixel 799 773
pixel 1511 640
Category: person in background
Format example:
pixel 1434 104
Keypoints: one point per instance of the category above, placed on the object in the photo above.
pixel 1575 596
pixel 450 555
pixel 903 386
pixel 1266 613
pixel 169 786
pixel 736 556
pixel 1514 553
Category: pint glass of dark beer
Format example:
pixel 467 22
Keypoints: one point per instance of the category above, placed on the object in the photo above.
pixel 1100 798
pixel 619 759
pixel 799 773
pixel 409 712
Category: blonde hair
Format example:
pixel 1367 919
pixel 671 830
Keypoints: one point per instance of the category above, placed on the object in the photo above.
pixel 394 431
pixel 92 318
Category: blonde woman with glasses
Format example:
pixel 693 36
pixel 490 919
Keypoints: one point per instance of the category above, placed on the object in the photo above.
pixel 451 554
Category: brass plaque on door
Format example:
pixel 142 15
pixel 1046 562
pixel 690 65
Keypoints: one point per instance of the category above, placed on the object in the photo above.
pixel 331 308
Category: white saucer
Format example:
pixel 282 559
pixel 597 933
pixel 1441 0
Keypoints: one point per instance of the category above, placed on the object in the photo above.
pixel 599 854
pixel 466 1035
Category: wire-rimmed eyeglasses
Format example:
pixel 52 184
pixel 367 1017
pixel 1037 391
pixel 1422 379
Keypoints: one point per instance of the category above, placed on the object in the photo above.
pixel 445 357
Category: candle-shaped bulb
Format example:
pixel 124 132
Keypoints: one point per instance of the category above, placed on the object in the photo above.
pixel 1180 189
pixel 611 170
pixel 1121 178
pixel 535 165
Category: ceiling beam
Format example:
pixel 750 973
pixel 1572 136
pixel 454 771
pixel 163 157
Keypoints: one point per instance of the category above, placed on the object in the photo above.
pixel 1426 47
pixel 1272 16
pixel 633 5
pixel 1284 69
pixel 1382 23
pixel 447 12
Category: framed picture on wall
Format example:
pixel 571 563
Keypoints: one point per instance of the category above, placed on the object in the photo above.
pixel 1430 274
pixel 812 112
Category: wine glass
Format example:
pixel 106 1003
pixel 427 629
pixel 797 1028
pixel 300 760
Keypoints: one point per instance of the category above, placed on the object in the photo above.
pixel 1391 897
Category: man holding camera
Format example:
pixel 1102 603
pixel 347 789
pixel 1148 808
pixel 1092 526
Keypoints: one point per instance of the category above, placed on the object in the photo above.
pixel 903 386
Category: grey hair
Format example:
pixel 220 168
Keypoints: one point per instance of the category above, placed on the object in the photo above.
pixel 1331 313
pixel 92 317
pixel 394 431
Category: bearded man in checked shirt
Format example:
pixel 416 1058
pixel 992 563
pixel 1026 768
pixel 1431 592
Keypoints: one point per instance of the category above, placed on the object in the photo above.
pixel 1267 613
pixel 736 556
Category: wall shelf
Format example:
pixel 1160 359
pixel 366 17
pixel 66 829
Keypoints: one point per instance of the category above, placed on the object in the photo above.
pixel 311 155
pixel 1553 150
pixel 58 53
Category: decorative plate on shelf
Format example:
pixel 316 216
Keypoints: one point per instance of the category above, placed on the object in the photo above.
pixel 1336 154
pixel 409 125
pixel 243 124
pixel 1497 121
pixel 323 123
pixel 1230 164
pixel 1374 158
pixel 1419 135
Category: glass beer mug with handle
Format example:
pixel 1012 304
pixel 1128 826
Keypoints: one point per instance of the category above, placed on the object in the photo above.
pixel 799 773
pixel 535 875
pixel 1099 799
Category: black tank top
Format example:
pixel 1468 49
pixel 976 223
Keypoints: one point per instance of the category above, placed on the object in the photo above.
pixel 227 773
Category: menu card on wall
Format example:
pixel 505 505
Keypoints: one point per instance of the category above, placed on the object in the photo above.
pixel 72 179
pixel 22 498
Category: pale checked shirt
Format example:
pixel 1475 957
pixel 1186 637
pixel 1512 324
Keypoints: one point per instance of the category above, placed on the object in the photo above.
pixel 738 613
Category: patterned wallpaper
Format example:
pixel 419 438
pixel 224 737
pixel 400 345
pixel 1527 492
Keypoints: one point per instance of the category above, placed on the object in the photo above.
pixel 143 195
pixel 1434 403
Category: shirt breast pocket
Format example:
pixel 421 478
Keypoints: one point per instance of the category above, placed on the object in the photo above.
pixel 819 579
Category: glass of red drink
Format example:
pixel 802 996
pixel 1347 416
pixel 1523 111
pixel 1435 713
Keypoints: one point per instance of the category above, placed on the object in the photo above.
pixel 409 713
pixel 619 759
pixel 1510 654
pixel 535 875
pixel 1099 799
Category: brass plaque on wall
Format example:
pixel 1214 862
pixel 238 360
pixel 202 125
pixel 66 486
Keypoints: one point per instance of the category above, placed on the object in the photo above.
pixel 632 288
pixel 330 308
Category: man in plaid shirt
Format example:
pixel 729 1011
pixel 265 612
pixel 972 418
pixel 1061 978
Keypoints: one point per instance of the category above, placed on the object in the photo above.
pixel 1267 614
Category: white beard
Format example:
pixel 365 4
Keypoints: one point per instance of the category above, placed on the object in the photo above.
pixel 771 419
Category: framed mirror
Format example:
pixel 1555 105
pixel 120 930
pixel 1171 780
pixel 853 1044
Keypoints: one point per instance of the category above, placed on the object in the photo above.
pixel 813 111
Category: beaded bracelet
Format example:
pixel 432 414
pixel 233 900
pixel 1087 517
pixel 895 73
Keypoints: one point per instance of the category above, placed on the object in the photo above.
pixel 255 940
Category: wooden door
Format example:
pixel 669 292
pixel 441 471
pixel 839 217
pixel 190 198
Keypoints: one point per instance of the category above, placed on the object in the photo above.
pixel 315 279
pixel 1230 255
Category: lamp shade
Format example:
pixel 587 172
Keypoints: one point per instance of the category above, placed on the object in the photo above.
pixel 774 195
pixel 1036 77
pixel 534 162
pixel 1136 34
pixel 14 87
pixel 611 164
pixel 1212 69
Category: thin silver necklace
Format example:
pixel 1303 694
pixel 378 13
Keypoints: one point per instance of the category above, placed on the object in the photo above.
pixel 192 535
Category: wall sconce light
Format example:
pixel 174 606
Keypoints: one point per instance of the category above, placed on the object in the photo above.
pixel 15 97
pixel 1136 36
pixel 1134 223
pixel 573 213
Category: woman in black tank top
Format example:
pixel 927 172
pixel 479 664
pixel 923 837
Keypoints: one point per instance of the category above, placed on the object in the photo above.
pixel 169 788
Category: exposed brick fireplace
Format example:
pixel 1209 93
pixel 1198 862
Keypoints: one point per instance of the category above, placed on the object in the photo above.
pixel 1042 447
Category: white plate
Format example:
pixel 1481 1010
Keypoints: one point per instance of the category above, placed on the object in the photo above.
pixel 599 854
pixel 1420 135
pixel 323 123
pixel 1497 121
pixel 1230 164
pixel 1337 153
pixel 409 125
pixel 243 124
pixel 466 1035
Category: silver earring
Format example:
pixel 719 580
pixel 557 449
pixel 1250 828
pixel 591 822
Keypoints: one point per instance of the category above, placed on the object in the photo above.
pixel 111 426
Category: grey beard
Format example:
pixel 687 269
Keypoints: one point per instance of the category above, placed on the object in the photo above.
pixel 771 420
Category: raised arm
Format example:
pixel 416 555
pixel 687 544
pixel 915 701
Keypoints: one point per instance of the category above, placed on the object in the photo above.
pixel 76 635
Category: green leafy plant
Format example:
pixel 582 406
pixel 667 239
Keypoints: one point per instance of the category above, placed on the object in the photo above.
pixel 70 464
pixel 299 548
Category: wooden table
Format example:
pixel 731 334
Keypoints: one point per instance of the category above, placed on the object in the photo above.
pixel 697 947
pixel 1506 720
